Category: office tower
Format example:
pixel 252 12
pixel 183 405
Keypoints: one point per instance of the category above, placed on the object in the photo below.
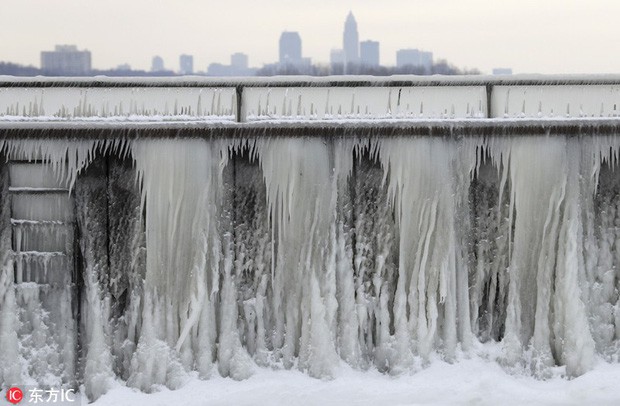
pixel 157 64
pixel 186 63
pixel 66 60
pixel 336 57
pixel 350 40
pixel 290 48
pixel 369 53
pixel 426 60
pixel 414 57
pixel 239 61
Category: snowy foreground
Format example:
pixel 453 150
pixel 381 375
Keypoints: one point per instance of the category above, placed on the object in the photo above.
pixel 474 380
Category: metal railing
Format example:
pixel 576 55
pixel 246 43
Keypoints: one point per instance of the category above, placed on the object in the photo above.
pixel 299 105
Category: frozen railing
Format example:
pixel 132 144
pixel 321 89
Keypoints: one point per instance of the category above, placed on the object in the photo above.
pixel 128 103
pixel 363 103
pixel 306 99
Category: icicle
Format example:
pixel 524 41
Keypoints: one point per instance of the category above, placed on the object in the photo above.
pixel 290 252
pixel 296 172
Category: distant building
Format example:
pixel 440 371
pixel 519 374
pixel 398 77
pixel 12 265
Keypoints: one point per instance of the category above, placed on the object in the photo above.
pixel 66 60
pixel 414 57
pixel 186 63
pixel 336 57
pixel 336 61
pixel 290 48
pixel 239 61
pixel 350 40
pixel 369 53
pixel 502 71
pixel 219 69
pixel 157 64
pixel 239 66
pixel 124 67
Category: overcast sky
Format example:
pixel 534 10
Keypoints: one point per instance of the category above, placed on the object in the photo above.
pixel 545 36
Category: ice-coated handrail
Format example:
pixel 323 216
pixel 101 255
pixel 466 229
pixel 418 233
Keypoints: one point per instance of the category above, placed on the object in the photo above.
pixel 313 81
pixel 351 100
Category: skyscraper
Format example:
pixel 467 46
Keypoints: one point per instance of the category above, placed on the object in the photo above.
pixel 336 57
pixel 350 40
pixel 239 61
pixel 369 53
pixel 66 60
pixel 336 62
pixel 186 63
pixel 290 48
pixel 414 57
pixel 157 64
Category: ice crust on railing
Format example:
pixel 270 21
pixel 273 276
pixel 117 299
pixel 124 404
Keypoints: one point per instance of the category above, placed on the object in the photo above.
pixel 311 99
pixel 117 103
pixel 561 101
pixel 364 103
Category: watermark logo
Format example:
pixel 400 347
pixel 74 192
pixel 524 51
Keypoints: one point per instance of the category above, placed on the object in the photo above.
pixel 38 396
pixel 14 395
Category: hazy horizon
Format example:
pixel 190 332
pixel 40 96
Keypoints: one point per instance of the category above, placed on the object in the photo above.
pixel 554 36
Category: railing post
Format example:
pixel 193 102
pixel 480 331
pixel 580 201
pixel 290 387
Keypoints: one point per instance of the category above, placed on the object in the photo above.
pixel 239 90
pixel 489 87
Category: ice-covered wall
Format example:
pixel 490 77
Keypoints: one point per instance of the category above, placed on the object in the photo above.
pixel 225 255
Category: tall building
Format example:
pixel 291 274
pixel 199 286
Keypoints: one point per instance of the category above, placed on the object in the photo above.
pixel 239 61
pixel 239 66
pixel 290 48
pixel 336 62
pixel 66 60
pixel 157 64
pixel 336 57
pixel 414 57
pixel 186 63
pixel 350 40
pixel 369 53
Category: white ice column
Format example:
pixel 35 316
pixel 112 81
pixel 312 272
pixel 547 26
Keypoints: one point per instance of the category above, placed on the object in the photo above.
pixel 421 184
pixel 181 188
pixel 298 179
pixel 546 259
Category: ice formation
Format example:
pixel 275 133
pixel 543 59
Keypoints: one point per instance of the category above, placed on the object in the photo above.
pixel 140 261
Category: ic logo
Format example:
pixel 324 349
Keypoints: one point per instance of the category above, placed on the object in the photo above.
pixel 14 395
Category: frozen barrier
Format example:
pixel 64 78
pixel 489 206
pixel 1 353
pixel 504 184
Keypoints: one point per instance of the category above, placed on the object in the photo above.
pixel 553 101
pixel 135 103
pixel 363 103
pixel 308 99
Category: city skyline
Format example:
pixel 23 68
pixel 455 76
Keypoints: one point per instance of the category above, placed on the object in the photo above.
pixel 354 54
pixel 471 34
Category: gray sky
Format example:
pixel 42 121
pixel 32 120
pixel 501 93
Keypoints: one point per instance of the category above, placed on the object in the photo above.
pixel 545 36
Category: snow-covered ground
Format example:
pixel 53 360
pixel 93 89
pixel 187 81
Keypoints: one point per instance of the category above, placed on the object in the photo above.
pixel 474 380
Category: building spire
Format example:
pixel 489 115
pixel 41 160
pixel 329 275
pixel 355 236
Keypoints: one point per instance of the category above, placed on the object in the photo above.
pixel 350 40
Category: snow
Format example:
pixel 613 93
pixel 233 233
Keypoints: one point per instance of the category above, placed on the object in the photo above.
pixel 471 380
